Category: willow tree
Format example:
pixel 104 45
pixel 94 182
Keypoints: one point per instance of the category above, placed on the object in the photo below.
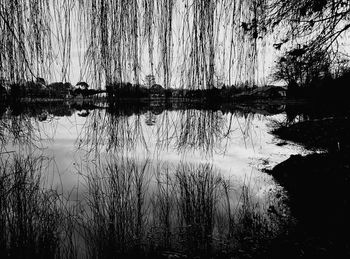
pixel 35 37
pixel 24 38
pixel 311 34
pixel 112 38
pixel 314 24
pixel 177 40
pixel 198 44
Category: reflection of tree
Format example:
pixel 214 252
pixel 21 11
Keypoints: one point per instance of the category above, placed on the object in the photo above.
pixel 20 130
pixel 200 129
pixel 25 126
pixel 246 127
pixel 166 130
pixel 104 130
pixel 150 118
pixel 31 212
pixel 205 131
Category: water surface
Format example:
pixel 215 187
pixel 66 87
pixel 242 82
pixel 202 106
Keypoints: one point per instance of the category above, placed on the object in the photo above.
pixel 237 144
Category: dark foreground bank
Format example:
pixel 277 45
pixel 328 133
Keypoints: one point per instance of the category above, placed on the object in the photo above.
pixel 319 188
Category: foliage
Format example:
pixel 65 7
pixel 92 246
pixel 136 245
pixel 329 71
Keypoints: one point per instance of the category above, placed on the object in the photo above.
pixel 126 90
pixel 300 68
pixel 320 24
pixel 120 34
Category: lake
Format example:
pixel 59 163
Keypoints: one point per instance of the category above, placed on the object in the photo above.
pixel 91 151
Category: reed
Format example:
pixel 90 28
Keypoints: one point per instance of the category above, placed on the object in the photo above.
pixel 199 190
pixel 30 216
pixel 186 210
pixel 129 208
pixel 114 221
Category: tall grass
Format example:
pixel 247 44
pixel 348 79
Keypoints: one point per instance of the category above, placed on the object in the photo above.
pixel 129 208
pixel 30 216
pixel 186 210
pixel 199 191
pixel 114 220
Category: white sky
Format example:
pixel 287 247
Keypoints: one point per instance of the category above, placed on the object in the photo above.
pixel 266 57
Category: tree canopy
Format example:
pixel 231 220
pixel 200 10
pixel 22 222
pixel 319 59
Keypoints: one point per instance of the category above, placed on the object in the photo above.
pixel 202 43
pixel 319 24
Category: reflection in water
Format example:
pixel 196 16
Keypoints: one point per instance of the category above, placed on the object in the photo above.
pixel 150 119
pixel 235 141
pixel 200 130
pixel 30 215
pixel 152 181
pixel 18 130
pixel 134 206
pixel 84 113
pixel 105 131
pixel 130 207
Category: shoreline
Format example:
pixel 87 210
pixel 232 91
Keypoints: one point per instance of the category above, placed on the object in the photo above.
pixel 318 186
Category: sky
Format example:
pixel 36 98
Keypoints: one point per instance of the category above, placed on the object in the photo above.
pixel 267 55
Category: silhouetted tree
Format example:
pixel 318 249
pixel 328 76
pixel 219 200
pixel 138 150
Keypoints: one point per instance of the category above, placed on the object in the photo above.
pixel 319 23
pixel 300 68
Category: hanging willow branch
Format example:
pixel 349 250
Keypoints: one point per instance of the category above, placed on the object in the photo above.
pixel 180 42
pixel 23 39
pixel 196 44
pixel 317 24
pixel 35 34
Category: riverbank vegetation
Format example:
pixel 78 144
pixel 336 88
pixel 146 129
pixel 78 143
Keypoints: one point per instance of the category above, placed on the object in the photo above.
pixel 30 216
pixel 129 208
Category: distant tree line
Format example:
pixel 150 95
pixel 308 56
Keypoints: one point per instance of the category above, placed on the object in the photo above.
pixel 39 89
